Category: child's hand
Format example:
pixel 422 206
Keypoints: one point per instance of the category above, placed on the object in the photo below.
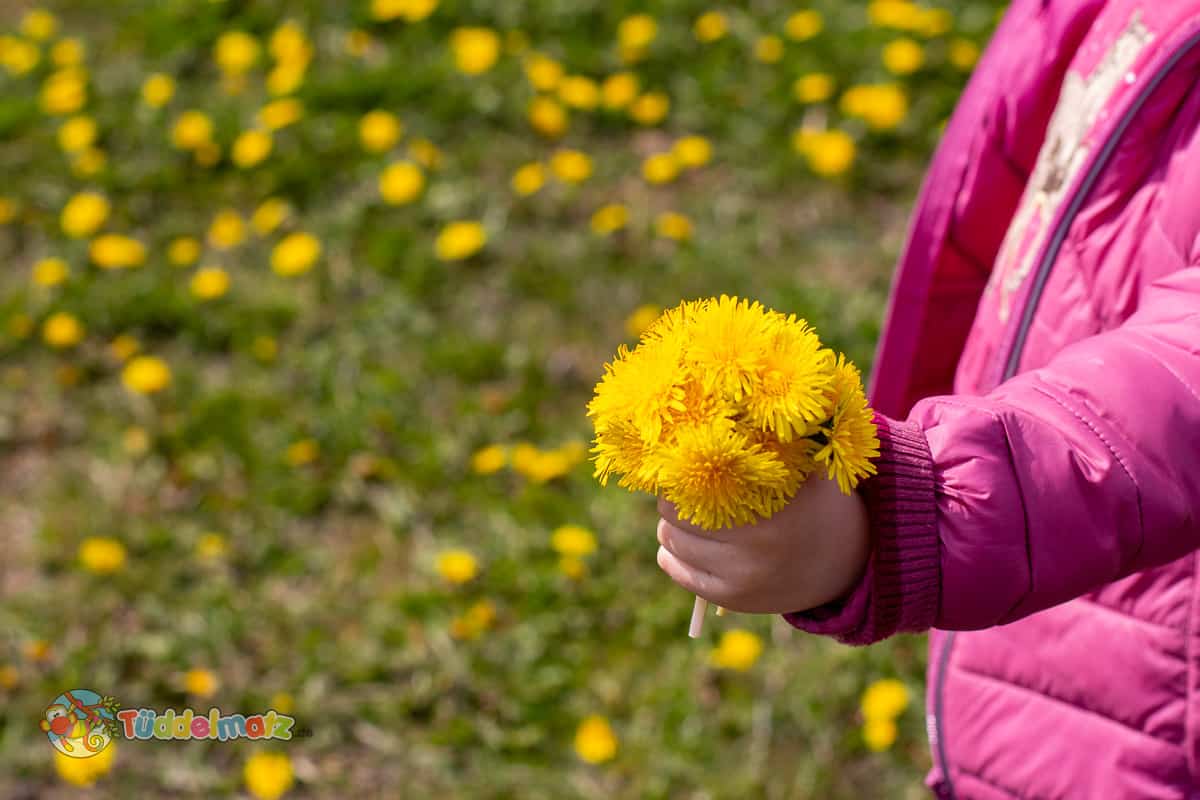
pixel 811 552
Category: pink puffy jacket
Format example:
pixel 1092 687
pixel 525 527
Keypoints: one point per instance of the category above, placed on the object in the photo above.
pixel 1038 390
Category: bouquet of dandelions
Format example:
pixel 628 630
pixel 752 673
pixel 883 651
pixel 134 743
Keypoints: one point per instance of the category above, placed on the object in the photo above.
pixel 725 408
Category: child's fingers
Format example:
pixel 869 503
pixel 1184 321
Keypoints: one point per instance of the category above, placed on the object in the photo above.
pixel 668 511
pixel 695 549
pixel 695 580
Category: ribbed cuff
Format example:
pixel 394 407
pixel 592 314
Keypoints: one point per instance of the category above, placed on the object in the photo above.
pixel 899 589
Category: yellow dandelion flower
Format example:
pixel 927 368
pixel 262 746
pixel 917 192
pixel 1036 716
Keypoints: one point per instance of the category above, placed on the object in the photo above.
pixel 401 183
pixel 9 677
pixel 737 650
pixel 282 702
pixel 295 254
pixel 641 386
pixel 660 168
pixel 251 148
pixel 302 452
pixel 116 251
pixel 89 162
pixel 879 734
pixel 17 55
pixel 547 117
pixel 102 555
pixel 804 25
pixel 578 91
pixel 270 214
pixel 279 114
pixel 637 31
pixel 211 546
pixel 768 49
pixel 475 49
pixel 379 131
pixel 8 210
pixel 192 130
pixel 146 375
pixel 123 348
pixel 851 439
pixel 477 619
pixel 200 682
pixel 815 87
pixel 963 54
pixel 67 52
pixel 77 133
pixel 83 214
pixel 573 540
pixel 235 52
pixel 50 272
pixel 183 251
pixel 650 108
pixel 619 90
pixel 903 56
pixel 528 179
pixel 884 699
pixel 460 240
pixel 792 387
pixel 829 153
pixel 158 89
pixel 268 776
pixel 595 741
pixel 425 153
pixel 543 72
pixel 883 106
pixel 84 772
pixel 227 230
pixel 489 459
pixel 209 283
pixel 62 330
pixel 710 26
pixel 289 44
pixel 39 24
pixel 571 166
pixel 64 91
pixel 457 565
pixel 673 225
pixel 692 151
pixel 572 566
pixel 609 219
pixel 286 78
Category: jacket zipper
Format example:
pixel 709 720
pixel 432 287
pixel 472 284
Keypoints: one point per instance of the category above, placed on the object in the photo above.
pixel 1026 320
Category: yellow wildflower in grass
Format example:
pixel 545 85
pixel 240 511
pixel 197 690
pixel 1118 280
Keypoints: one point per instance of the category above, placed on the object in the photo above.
pixel 62 330
pixel 962 53
pixel 636 31
pixel 116 251
pixel 804 25
pixel 146 375
pixel 641 319
pixel 673 225
pixel 279 114
pixel 573 540
pixel 609 219
pixel 410 10
pixel 488 460
pixel 268 776
pixel 282 702
pixel 9 677
pixel 884 699
pixel 227 229
pixel 477 619
pixel 102 555
pixel 660 168
pixel 595 741
pixel 84 772
pixel 286 78
pixel 158 89
pixel 879 734
pixel 475 49
pixel 123 348
pixel 183 251
pixel 650 108
pixel 710 26
pixel 83 214
pixel 899 14
pixel 17 55
pixel 829 153
pixel 200 682
pixel 457 565
pixel 289 44
pixel 302 452
pixel 692 151
pixel 543 72
pixel 37 650
pixel 934 21
pixel 619 90
pixel 50 272
pixel 236 52
pixel 425 153
pixel 8 210
pixel 270 214
pixel 401 183
pixel 579 91
pixel 39 24
pixel 209 283
pixel 77 133
pixel 851 432
pixel 89 162
pixel 251 148
pixel 459 240
pixel 768 49
pixel 572 566
pixel 547 117
pixel 192 129
pixel 67 52
pixel 883 106
pixel 379 131
pixel 295 254
pixel 571 166
pixel 814 87
pixel 212 546
pixel 737 650
pixel 264 348
pixel 528 179
pixel 903 56
pixel 541 466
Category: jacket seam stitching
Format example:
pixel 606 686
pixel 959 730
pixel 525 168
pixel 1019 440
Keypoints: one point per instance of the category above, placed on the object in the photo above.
pixel 1068 704
pixel 1131 617
pixel 1188 716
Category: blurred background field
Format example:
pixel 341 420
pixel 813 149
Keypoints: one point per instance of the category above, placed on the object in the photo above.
pixel 301 306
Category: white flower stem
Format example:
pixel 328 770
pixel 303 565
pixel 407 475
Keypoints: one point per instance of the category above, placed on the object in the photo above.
pixel 698 611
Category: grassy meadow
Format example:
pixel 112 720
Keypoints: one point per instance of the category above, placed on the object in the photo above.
pixel 300 309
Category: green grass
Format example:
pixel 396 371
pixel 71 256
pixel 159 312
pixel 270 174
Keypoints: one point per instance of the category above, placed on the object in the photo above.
pixel 400 367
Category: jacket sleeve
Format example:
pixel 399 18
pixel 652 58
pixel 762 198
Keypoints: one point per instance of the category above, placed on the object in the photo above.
pixel 1062 479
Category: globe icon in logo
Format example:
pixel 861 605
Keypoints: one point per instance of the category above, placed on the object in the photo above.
pixel 80 723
